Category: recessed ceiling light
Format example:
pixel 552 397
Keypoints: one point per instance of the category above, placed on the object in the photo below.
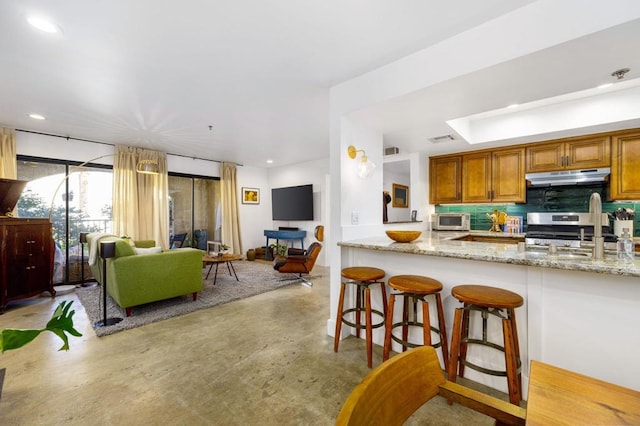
pixel 513 106
pixel 605 85
pixel 269 161
pixel 43 24
pixel 37 116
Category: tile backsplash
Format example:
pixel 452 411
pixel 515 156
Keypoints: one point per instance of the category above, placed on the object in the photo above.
pixel 545 199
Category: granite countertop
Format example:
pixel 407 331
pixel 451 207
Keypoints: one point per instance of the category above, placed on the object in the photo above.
pixel 439 243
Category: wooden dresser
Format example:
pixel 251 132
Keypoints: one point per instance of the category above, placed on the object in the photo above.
pixel 26 259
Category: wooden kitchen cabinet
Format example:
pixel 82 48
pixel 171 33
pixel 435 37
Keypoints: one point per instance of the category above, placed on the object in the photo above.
pixel 625 166
pixel 569 154
pixel 445 179
pixel 494 176
pixel 476 177
pixel 26 259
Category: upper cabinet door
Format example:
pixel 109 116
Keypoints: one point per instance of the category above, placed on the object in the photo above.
pixel 572 154
pixel 476 177
pixel 445 179
pixel 588 153
pixel 625 166
pixel 545 157
pixel 508 176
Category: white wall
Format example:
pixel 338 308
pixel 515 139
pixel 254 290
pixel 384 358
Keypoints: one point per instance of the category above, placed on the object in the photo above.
pixel 311 172
pixel 397 170
pixel 63 149
pixel 396 214
pixel 254 218
pixel 361 212
pixel 57 148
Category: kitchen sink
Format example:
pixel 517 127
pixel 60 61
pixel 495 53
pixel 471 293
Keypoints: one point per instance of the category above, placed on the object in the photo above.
pixel 565 255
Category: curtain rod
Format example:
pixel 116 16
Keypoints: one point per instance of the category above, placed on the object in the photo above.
pixel 111 144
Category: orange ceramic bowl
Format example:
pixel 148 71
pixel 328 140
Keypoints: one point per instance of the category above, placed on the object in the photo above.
pixel 403 236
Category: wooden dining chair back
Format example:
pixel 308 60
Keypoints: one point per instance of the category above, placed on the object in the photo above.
pixel 392 392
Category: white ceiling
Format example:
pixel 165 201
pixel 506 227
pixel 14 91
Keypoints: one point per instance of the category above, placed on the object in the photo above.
pixel 562 71
pixel 158 74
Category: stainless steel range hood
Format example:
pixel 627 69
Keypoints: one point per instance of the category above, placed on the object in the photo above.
pixel 568 177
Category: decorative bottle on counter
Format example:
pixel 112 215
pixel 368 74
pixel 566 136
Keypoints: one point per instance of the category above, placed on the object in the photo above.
pixel 625 246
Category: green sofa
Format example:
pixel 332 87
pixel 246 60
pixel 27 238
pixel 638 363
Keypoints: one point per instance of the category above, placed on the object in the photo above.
pixel 135 279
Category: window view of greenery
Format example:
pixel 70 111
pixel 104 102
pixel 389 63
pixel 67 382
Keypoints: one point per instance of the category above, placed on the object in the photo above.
pixel 194 209
pixel 81 203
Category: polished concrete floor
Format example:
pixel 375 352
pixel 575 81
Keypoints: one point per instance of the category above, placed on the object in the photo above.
pixel 265 360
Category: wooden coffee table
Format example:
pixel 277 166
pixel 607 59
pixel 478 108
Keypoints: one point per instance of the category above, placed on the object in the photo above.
pixel 217 260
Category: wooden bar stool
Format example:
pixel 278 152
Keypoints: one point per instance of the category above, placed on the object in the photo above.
pixel 414 288
pixel 488 301
pixel 362 277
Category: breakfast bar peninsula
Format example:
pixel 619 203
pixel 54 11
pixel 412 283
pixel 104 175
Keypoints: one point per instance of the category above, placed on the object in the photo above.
pixel 579 314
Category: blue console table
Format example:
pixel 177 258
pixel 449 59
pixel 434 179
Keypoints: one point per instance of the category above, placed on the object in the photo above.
pixel 282 235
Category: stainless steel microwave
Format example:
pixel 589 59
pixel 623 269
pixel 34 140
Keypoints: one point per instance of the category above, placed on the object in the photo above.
pixel 450 222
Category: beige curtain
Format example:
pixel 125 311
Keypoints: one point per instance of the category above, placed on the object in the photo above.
pixel 140 201
pixel 230 218
pixel 8 164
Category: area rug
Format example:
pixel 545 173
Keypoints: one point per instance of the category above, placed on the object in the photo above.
pixel 255 278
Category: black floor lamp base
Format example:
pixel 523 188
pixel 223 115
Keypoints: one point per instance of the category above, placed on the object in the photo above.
pixel 107 250
pixel 106 322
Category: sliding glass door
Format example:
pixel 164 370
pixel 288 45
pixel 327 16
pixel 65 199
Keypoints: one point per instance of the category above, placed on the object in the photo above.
pixel 79 199
pixel 194 209
pixel 79 203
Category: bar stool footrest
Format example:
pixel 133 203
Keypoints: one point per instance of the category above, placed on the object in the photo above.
pixel 414 345
pixel 362 326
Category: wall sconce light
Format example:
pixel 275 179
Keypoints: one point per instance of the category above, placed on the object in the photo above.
pixel 365 167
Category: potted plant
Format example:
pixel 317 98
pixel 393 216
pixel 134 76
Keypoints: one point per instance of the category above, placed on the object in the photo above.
pixel 279 249
pixel 61 322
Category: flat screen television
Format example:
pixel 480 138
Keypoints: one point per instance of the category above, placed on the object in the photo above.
pixel 292 203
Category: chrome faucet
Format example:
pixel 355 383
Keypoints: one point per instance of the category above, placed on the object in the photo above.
pixel 595 210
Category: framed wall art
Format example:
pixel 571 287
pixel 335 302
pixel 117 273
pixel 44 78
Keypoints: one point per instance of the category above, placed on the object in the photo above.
pixel 400 195
pixel 250 195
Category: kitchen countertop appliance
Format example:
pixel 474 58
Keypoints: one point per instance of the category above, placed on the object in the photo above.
pixel 451 221
pixel 565 229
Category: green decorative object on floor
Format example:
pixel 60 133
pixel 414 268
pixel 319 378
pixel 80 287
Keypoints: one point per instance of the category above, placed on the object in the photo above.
pixel 279 249
pixel 61 322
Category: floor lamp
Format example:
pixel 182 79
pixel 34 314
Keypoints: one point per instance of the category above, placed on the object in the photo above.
pixel 83 241
pixel 107 250
pixel 150 167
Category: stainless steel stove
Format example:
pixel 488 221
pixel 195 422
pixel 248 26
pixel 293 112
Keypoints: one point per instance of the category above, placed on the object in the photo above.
pixel 565 229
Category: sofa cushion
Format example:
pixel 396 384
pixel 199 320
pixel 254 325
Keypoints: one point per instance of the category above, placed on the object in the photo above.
pixel 150 250
pixel 123 248
pixel 145 243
